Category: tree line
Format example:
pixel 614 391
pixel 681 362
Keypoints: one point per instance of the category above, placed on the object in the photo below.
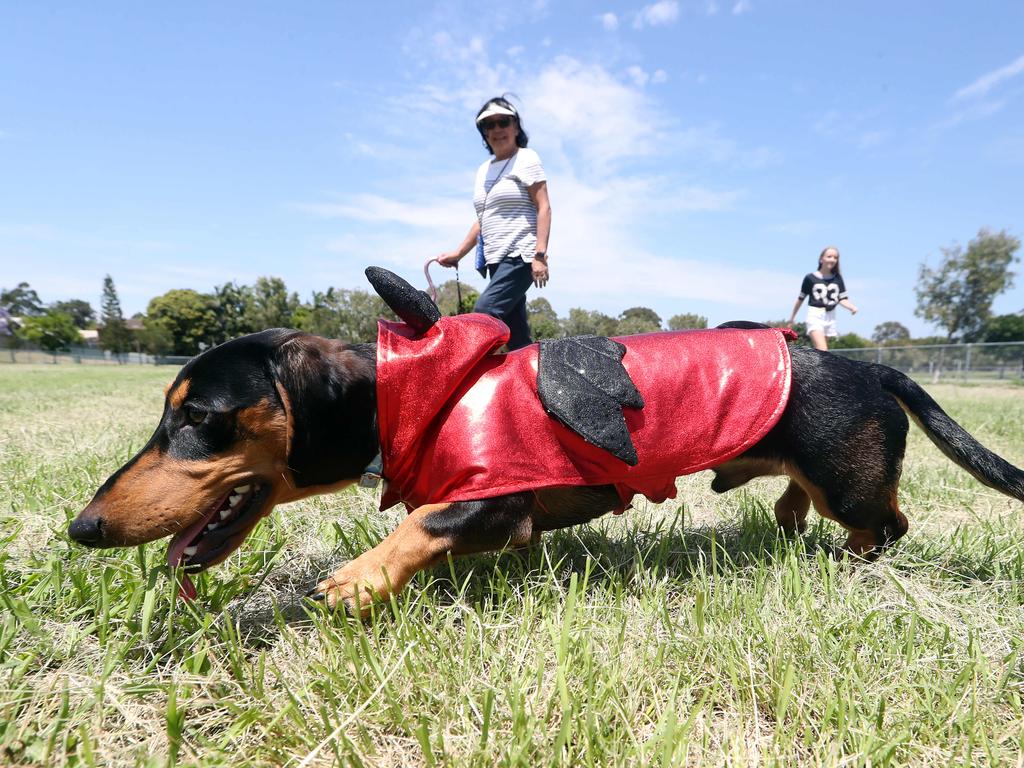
pixel 955 295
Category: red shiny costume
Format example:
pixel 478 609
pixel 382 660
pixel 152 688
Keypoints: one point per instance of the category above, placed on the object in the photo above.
pixel 458 422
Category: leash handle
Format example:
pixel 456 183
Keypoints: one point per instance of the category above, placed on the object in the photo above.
pixel 431 290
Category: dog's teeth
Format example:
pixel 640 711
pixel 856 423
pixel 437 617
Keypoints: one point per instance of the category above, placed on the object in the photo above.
pixel 242 489
pixel 189 551
pixel 233 500
pixel 211 526
pixel 225 513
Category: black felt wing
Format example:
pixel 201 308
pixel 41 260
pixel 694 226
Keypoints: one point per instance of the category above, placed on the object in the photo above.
pixel 582 383
pixel 746 325
pixel 410 304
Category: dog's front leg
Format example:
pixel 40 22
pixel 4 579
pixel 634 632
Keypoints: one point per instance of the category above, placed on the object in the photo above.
pixel 423 539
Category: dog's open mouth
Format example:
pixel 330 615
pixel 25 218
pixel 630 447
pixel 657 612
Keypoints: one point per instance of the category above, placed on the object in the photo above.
pixel 219 532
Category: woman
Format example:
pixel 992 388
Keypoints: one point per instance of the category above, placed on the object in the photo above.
pixel 823 289
pixel 513 219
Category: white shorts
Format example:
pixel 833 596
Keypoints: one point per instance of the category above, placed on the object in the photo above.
pixel 820 319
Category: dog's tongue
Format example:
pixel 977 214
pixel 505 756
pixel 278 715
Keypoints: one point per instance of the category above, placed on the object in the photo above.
pixel 176 549
pixel 186 590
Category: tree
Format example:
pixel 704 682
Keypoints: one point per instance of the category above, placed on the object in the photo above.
pixel 1004 328
pixel 958 294
pixel 8 332
pixel 321 317
pixel 848 341
pixel 688 321
pixel 114 336
pixel 543 319
pixel 189 317
pixel 448 298
pixel 638 320
pixel 21 301
pixel 234 306
pixel 81 312
pixel 54 331
pixel 582 321
pixel 272 305
pixel 891 332
pixel 359 312
pixel 155 338
pixel 800 329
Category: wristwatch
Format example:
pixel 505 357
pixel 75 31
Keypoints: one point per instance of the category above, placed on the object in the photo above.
pixel 542 256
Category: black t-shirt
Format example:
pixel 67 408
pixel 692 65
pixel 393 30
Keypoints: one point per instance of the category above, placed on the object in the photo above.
pixel 824 292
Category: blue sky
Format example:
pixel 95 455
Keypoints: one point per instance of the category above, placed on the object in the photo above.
pixel 699 154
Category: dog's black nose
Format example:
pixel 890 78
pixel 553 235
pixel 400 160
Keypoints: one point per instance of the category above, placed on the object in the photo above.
pixel 87 530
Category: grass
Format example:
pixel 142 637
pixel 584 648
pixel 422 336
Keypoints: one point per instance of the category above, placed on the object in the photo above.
pixel 685 633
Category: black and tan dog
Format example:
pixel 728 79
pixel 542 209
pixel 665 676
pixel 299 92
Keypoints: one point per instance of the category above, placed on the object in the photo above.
pixel 276 416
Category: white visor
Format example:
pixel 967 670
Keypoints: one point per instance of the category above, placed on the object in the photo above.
pixel 495 109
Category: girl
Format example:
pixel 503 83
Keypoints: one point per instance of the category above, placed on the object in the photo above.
pixel 824 289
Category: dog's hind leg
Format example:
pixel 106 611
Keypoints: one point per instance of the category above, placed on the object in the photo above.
pixel 863 503
pixel 885 524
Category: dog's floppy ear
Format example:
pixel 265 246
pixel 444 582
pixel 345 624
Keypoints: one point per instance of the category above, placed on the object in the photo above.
pixel 582 383
pixel 413 306
pixel 328 391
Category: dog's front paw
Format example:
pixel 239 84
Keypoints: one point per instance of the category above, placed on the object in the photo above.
pixel 354 588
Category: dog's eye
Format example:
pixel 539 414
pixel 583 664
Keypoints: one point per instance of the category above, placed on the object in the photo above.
pixel 194 415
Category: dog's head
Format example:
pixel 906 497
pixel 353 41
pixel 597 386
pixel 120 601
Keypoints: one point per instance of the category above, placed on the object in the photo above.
pixel 258 421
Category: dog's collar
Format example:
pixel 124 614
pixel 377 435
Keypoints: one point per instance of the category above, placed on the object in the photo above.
pixel 373 473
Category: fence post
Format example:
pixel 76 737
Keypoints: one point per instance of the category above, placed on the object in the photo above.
pixel 967 362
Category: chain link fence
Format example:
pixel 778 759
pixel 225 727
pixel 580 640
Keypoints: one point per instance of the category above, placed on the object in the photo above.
pixel 927 362
pixel 981 362
pixel 86 356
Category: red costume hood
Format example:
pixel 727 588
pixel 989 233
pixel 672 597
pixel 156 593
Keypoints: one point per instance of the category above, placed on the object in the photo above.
pixel 458 422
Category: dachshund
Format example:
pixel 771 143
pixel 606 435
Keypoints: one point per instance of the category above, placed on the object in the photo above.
pixel 280 415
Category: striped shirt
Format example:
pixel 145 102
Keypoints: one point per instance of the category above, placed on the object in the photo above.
pixel 508 218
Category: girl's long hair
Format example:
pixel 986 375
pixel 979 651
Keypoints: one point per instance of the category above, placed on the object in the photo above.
pixel 821 256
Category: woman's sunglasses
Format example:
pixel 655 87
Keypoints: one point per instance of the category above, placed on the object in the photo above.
pixel 498 122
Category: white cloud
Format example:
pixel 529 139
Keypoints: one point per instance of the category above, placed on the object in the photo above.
pixel 988 81
pixel 609 21
pixel 800 227
pixel 855 128
pixel 637 75
pixel 711 8
pixel 641 77
pixel 870 139
pixel 658 14
pixel 741 7
pixel 584 107
pixel 589 125
pixel 976 111
pixel 420 213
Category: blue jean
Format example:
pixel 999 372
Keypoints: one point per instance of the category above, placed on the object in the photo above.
pixel 505 298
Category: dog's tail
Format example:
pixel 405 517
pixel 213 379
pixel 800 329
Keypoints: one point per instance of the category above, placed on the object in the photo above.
pixel 952 439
